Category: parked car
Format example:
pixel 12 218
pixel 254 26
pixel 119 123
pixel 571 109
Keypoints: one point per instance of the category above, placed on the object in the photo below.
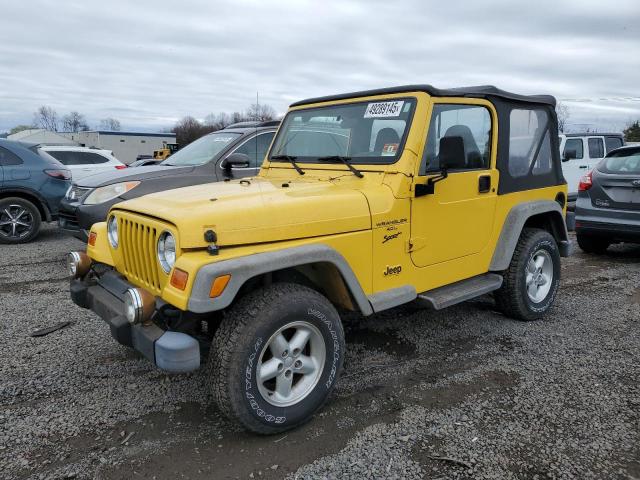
pixel 83 161
pixel 32 183
pixel 581 152
pixel 145 162
pixel 608 205
pixel 230 153
pixel 344 215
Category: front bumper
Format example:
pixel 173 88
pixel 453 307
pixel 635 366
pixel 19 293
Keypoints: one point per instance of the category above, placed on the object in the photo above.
pixel 170 351
pixel 77 219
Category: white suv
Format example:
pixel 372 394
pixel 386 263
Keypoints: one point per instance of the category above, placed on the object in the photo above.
pixel 580 152
pixel 83 161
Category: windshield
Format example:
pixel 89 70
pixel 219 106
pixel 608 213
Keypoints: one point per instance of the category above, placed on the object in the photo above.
pixel 622 161
pixel 202 150
pixel 365 132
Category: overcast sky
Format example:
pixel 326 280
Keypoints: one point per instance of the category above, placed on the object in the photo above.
pixel 149 63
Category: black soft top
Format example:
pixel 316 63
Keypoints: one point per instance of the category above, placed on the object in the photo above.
pixel 481 91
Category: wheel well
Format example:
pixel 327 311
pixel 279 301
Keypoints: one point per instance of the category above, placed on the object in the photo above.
pixel 552 222
pixel 44 211
pixel 323 277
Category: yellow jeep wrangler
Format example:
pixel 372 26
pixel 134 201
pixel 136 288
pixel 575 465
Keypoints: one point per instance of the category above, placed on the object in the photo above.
pixel 365 201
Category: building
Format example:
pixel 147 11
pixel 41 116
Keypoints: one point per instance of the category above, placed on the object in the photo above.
pixel 39 135
pixel 126 146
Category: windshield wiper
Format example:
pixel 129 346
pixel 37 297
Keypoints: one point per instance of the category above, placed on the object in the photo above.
pixel 291 159
pixel 345 160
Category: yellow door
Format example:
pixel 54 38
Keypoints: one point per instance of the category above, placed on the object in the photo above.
pixel 456 220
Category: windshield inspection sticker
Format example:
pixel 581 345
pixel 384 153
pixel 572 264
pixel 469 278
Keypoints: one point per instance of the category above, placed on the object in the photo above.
pixel 389 149
pixel 384 109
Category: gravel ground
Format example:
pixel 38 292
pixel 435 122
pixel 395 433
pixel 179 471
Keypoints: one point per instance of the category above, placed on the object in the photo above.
pixel 462 393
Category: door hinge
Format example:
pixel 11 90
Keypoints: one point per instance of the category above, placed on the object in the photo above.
pixel 416 243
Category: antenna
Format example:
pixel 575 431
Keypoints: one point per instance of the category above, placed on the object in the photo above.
pixel 257 116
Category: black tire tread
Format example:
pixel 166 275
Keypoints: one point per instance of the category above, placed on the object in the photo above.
pixel 237 323
pixel 508 299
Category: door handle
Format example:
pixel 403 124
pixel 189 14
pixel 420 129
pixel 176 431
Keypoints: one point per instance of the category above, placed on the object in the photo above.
pixel 484 183
pixel 583 166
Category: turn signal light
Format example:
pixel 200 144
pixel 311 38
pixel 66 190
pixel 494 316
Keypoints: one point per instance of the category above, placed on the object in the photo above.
pixel 92 238
pixel 218 285
pixel 586 182
pixel 179 279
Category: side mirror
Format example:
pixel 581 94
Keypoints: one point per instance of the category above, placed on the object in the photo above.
pixel 236 160
pixel 451 155
pixel 569 155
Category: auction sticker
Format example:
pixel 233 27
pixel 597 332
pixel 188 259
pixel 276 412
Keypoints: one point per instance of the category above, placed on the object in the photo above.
pixel 383 109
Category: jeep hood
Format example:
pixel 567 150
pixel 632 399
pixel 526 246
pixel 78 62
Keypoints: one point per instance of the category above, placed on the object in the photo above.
pixel 256 211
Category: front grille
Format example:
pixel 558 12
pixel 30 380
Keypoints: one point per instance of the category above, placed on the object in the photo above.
pixel 76 192
pixel 138 243
pixel 68 220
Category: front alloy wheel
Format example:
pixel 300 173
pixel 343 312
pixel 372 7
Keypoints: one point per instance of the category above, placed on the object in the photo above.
pixel 276 357
pixel 290 364
pixel 19 220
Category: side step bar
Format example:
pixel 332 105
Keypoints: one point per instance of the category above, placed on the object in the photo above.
pixel 444 297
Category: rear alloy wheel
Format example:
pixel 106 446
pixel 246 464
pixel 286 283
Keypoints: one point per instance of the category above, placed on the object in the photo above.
pixel 19 220
pixel 531 282
pixel 276 357
pixel 589 244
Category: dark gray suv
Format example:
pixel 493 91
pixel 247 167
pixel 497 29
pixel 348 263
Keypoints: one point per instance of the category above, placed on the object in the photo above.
pixel 237 151
pixel 608 204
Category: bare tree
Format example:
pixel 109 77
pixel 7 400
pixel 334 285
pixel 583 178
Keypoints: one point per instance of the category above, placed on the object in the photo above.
pixel 189 129
pixel 110 124
pixel 261 112
pixel 74 122
pixel 218 121
pixel 46 117
pixel 562 111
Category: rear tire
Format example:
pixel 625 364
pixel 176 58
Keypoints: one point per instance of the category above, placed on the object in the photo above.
pixel 590 244
pixel 20 220
pixel 276 357
pixel 531 282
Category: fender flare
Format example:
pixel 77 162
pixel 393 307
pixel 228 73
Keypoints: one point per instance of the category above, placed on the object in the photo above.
pixel 514 223
pixel 244 268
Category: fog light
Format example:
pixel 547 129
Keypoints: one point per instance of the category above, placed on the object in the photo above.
pixel 78 264
pixel 138 305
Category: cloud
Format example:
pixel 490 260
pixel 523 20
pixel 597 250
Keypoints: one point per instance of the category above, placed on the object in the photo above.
pixel 149 63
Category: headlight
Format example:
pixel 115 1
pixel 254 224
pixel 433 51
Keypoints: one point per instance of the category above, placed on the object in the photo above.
pixel 104 194
pixel 167 251
pixel 112 231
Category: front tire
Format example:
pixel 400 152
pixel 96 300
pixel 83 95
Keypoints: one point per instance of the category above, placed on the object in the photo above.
pixel 276 357
pixel 589 244
pixel 531 282
pixel 19 220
